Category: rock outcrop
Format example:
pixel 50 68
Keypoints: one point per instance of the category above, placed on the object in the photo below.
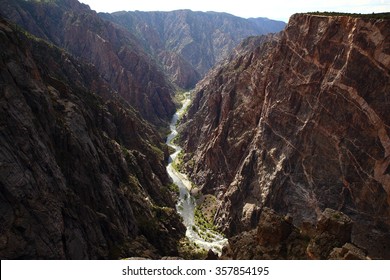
pixel 333 230
pixel 116 53
pixel 299 123
pixel 82 176
pixel 189 43
pixel 277 238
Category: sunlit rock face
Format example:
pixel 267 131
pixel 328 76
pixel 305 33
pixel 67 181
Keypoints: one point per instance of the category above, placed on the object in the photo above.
pixel 299 122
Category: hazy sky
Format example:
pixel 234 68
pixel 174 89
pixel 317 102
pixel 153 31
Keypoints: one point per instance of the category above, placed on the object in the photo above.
pixel 273 9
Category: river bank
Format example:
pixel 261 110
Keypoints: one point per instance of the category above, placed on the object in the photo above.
pixel 203 237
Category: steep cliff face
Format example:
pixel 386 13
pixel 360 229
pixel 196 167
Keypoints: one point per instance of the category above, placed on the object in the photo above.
pixel 216 136
pixel 115 52
pixel 197 39
pixel 81 174
pixel 299 123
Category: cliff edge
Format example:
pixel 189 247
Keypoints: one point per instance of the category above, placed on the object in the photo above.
pixel 299 123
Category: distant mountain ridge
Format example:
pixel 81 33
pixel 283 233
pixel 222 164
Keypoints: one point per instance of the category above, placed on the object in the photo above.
pixel 189 43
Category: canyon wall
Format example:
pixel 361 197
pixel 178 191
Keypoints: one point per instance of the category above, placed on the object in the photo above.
pixel 82 176
pixel 298 123
pixel 116 53
pixel 189 43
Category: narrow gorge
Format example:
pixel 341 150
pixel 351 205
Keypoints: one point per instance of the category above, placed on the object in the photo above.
pixel 201 235
pixel 281 150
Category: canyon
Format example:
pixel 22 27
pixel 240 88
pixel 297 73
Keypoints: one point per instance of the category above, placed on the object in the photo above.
pixel 188 44
pixel 287 134
pixel 298 122
pixel 116 54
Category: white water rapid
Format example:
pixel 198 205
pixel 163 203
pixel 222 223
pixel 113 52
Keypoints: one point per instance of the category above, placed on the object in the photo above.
pixel 187 203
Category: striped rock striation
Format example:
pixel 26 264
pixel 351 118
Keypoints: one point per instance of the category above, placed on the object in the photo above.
pixel 299 123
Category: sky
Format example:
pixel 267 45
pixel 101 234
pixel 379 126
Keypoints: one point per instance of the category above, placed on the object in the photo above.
pixel 273 9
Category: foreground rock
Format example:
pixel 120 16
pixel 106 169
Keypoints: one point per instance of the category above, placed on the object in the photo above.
pixel 277 238
pixel 333 230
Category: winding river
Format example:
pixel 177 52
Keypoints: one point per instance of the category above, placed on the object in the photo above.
pixel 186 202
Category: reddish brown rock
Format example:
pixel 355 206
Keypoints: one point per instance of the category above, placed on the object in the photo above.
pixel 181 71
pixel 272 229
pixel 299 124
pixel 335 223
pixel 333 230
pixel 348 252
pixel 277 238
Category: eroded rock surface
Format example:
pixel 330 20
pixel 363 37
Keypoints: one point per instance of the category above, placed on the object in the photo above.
pixel 189 43
pixel 299 123
pixel 115 52
pixel 82 176
pixel 277 238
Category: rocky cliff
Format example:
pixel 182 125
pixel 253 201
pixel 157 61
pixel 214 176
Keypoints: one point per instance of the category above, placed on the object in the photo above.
pixel 116 53
pixel 82 176
pixel 277 238
pixel 189 43
pixel 298 123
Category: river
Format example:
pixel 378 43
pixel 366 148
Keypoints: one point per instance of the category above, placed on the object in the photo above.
pixel 186 202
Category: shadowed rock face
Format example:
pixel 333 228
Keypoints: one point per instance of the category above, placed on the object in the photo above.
pixel 116 53
pixel 299 123
pixel 82 176
pixel 189 43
